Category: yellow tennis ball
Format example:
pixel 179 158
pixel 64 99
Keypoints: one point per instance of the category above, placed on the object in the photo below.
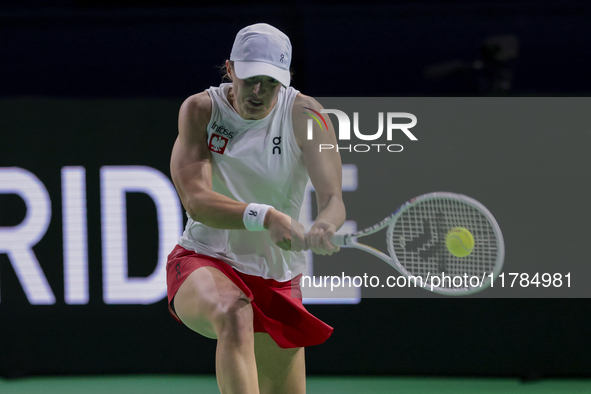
pixel 459 242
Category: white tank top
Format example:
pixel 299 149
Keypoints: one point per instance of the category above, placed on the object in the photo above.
pixel 253 161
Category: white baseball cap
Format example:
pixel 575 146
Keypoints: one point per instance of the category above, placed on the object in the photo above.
pixel 262 49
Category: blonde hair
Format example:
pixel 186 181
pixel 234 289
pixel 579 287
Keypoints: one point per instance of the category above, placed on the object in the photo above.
pixel 224 71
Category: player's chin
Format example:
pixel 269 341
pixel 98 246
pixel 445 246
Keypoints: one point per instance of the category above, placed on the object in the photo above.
pixel 256 111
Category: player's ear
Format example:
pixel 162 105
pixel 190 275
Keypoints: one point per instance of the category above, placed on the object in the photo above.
pixel 229 70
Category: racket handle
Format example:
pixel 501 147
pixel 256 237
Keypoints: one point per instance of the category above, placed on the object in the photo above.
pixel 336 240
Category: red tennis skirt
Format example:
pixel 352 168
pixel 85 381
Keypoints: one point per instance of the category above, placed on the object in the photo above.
pixel 277 306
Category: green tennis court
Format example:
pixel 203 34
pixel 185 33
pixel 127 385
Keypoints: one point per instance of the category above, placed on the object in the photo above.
pixel 325 385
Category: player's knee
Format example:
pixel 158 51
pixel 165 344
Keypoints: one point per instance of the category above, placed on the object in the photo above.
pixel 193 316
pixel 234 321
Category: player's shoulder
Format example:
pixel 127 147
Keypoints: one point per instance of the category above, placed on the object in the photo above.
pixel 300 114
pixel 302 103
pixel 197 108
pixel 301 100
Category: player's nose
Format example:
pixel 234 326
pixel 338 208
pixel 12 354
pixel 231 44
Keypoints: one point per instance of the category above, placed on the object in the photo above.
pixel 257 89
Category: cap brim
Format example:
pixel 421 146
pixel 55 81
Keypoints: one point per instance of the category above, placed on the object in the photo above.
pixel 252 69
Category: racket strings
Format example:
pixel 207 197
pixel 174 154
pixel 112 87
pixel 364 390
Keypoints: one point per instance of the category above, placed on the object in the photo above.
pixel 417 239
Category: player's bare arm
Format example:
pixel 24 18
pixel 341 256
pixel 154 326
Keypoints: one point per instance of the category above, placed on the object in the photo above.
pixel 190 167
pixel 191 171
pixel 325 172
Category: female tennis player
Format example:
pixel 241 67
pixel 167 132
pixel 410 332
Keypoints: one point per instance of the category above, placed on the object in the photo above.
pixel 240 164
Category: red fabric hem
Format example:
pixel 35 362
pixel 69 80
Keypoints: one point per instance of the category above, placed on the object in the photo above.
pixel 277 306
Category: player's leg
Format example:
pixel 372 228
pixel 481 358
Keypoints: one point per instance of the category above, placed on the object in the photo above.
pixel 209 303
pixel 279 370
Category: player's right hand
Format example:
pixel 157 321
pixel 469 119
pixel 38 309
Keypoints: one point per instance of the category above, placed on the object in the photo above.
pixel 284 231
pixel 319 236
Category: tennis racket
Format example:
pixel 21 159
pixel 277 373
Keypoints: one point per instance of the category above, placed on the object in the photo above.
pixel 416 237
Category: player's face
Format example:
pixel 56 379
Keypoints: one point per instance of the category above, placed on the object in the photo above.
pixel 254 98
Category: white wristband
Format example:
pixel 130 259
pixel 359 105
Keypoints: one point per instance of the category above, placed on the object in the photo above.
pixel 254 216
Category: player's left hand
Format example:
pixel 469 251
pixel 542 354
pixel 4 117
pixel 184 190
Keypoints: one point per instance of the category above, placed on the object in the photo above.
pixel 318 238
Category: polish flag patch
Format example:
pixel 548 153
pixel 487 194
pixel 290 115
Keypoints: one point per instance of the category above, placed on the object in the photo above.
pixel 217 144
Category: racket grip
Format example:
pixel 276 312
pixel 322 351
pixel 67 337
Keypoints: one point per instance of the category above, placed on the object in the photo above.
pixel 336 240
